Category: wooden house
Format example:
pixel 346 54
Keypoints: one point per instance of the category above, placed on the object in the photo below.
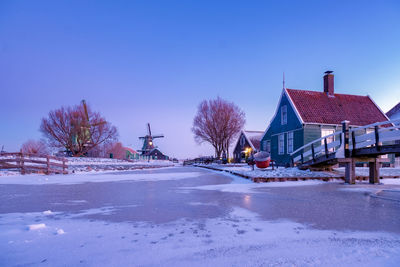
pixel 130 153
pixel 248 142
pixel 155 154
pixel 394 113
pixel 303 116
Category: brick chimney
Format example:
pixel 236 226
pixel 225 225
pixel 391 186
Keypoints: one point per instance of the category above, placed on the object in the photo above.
pixel 328 83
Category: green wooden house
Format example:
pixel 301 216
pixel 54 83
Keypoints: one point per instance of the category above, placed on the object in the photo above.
pixel 303 116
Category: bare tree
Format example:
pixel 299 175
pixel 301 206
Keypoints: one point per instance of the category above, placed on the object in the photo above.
pixel 34 147
pixel 118 151
pixel 217 122
pixel 77 129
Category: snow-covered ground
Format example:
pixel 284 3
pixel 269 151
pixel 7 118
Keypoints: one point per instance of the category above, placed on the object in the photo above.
pixel 236 236
pixel 85 164
pixel 101 164
pixel 364 171
pixel 282 172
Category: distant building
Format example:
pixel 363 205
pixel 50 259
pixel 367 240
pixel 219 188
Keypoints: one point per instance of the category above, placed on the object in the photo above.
pixel 155 154
pixel 248 141
pixel 394 114
pixel 303 116
pixel 130 153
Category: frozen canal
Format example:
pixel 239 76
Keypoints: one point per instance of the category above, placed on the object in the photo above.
pixel 185 215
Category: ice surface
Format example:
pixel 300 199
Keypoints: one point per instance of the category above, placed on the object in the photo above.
pixel 94 177
pixel 240 238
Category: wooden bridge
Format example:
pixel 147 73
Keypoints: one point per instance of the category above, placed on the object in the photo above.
pixel 361 144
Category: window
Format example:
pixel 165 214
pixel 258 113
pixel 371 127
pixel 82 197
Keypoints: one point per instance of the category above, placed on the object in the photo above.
pixel 242 140
pixel 281 144
pixel 325 132
pixel 268 147
pixel 289 142
pixel 284 115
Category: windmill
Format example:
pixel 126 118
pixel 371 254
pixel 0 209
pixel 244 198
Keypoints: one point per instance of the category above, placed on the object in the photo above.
pixel 148 144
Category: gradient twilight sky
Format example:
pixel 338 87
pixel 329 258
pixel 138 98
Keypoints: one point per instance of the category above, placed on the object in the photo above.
pixel 154 61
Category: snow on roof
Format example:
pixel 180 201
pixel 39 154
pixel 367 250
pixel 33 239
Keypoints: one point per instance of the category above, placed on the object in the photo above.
pixel 253 137
pixel 393 110
pixel 318 107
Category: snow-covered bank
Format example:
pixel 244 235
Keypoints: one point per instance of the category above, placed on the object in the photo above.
pixel 84 164
pixel 283 174
pixel 276 173
pixel 101 164
pixel 364 171
pixel 240 238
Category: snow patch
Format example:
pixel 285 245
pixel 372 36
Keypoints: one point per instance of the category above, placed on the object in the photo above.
pixel 60 232
pixel 47 212
pixel 33 227
pixel 392 181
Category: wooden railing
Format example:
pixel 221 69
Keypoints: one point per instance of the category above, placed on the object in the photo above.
pixel 377 136
pixel 29 163
pixel 353 138
pixel 314 149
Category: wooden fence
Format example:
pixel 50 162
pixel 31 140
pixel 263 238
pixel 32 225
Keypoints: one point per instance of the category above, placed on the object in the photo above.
pixel 29 163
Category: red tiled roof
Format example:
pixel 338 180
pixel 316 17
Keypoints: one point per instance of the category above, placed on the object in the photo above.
pixel 318 107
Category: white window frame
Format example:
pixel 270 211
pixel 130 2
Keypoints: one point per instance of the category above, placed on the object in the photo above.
pixel 328 131
pixel 290 142
pixel 268 146
pixel 284 115
pixel 281 144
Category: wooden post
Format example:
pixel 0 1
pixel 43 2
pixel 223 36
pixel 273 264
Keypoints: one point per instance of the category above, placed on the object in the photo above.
pixel 345 129
pixel 302 158
pixel 326 148
pixel 374 171
pixel 48 165
pixel 312 152
pixel 353 140
pixel 64 165
pixel 350 172
pixel 22 163
pixel 377 144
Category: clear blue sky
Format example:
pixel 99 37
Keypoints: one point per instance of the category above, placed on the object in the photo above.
pixel 148 61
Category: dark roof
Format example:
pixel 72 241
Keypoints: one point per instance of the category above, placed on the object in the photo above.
pixel 318 107
pixel 253 137
pixel 394 110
